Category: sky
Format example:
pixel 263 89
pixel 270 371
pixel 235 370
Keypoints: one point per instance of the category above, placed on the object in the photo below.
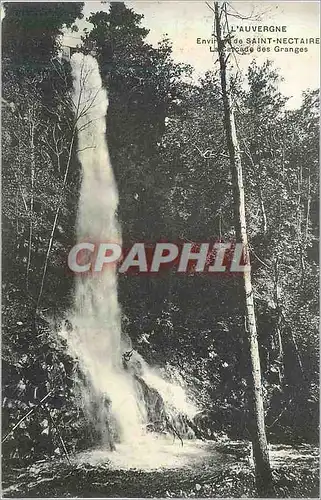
pixel 185 21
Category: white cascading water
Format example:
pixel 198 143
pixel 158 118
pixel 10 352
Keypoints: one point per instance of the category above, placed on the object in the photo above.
pixel 95 338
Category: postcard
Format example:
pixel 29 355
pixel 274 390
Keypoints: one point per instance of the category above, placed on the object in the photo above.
pixel 160 221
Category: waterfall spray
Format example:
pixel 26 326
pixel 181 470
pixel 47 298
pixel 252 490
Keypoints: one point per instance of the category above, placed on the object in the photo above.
pixel 113 395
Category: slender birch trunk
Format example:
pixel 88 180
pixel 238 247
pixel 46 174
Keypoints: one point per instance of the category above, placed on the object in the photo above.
pixel 307 219
pixel 259 442
pixel 32 175
pixel 54 225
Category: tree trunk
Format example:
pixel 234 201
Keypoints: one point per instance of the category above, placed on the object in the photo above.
pixel 255 169
pixel 77 115
pixel 308 208
pixel 54 225
pixel 259 442
pixel 279 322
pixel 33 169
pixel 262 207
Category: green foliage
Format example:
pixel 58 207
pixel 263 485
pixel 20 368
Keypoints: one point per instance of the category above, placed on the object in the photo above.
pixel 280 156
pixel 38 148
pixel 30 30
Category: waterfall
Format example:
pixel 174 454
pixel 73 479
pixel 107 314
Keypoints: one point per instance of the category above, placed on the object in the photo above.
pixel 112 394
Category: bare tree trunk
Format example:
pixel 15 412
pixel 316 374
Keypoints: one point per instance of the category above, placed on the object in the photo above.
pixel 33 169
pixel 279 321
pixel 262 207
pixel 54 225
pixel 308 208
pixel 301 242
pixel 255 169
pixel 259 442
